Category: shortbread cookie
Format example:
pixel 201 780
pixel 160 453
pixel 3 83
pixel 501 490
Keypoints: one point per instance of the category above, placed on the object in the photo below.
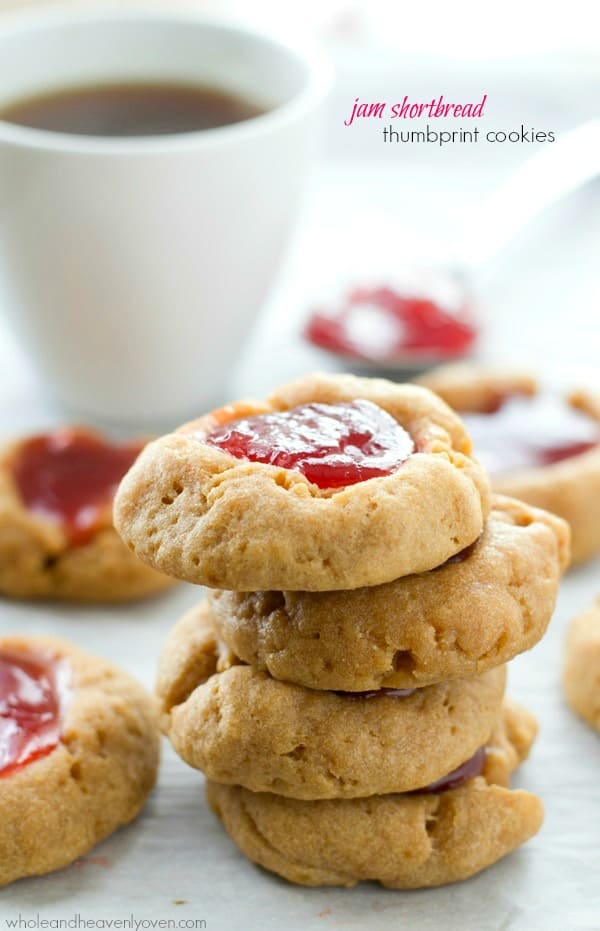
pixel 581 674
pixel 536 446
pixel 401 841
pixel 476 612
pixel 391 489
pixel 238 725
pixel 57 540
pixel 79 752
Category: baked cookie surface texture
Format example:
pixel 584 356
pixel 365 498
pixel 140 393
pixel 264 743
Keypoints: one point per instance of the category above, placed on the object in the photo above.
pixel 401 841
pixel 479 610
pixel 342 685
pixel 57 539
pixel 335 482
pixel 239 725
pixel 581 672
pixel 79 753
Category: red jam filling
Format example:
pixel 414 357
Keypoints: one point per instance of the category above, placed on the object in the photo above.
pixel 468 770
pixel 382 325
pixel 34 691
pixel 333 445
pixel 522 432
pixel 462 555
pixel 70 477
pixel 373 693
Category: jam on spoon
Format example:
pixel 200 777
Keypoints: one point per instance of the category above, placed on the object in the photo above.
pixel 380 324
pixel 521 432
pixel 70 477
pixel 34 692
pixel 333 445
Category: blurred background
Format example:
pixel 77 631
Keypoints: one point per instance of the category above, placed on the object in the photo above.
pixel 372 208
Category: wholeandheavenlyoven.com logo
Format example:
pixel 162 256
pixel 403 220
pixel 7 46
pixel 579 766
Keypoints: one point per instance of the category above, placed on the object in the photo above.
pixel 77 922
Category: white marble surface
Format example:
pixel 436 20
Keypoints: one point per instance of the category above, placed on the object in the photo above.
pixel 541 308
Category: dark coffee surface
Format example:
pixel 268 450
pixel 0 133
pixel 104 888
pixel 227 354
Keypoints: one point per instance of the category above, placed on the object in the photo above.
pixel 141 109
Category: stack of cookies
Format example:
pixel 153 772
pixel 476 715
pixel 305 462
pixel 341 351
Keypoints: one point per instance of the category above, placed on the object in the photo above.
pixel 342 686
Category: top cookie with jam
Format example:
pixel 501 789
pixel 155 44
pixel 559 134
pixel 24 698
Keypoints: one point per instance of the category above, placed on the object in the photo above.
pixel 334 482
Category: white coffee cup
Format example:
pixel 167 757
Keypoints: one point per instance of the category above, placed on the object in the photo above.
pixel 133 267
